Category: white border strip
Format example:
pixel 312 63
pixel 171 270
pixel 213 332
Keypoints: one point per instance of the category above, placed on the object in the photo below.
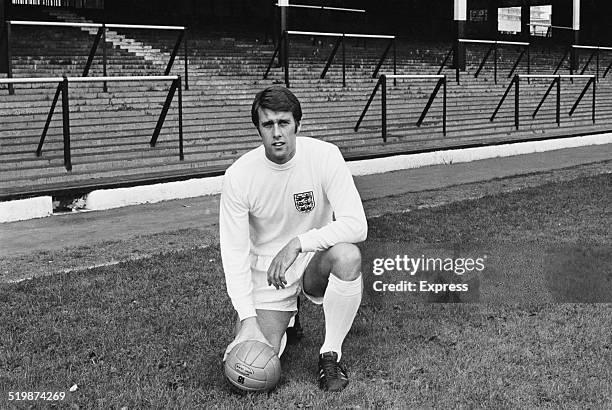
pixel 119 197
pixel 381 165
pixel 116 198
pixel 22 209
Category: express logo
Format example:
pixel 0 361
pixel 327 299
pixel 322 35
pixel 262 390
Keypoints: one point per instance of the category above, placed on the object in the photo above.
pixel 304 201
pixel 246 370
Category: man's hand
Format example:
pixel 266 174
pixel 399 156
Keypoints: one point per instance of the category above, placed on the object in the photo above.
pixel 250 330
pixel 282 261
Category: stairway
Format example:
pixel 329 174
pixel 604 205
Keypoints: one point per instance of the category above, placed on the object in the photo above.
pixel 153 55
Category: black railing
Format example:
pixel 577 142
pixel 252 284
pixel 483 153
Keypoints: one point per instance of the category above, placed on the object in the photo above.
pixel 101 36
pixel 494 45
pixel 63 89
pixel 556 80
pixel 595 53
pixel 339 43
pixel 382 83
pixel 567 53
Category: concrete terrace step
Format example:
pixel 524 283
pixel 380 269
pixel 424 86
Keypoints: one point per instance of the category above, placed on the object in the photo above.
pixel 111 131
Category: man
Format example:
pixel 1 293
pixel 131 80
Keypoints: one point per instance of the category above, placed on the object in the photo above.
pixel 290 216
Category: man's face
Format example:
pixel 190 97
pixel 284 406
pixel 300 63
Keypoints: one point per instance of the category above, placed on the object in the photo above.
pixel 278 131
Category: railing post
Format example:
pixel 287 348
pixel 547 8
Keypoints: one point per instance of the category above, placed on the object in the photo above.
pixel 430 101
pixel 367 106
pixel 582 93
pixel 175 49
pixel 573 59
pixel 343 40
pixel 276 52
pixel 588 62
pixel 597 65
pixel 529 63
pixel 516 102
pixel 607 69
pixel 59 89
pixel 559 100
pixel 92 52
pixel 457 73
pixel 286 57
pixel 382 60
pixel 164 112
pixel 561 61
pixel 484 60
pixel 331 57
pixel 444 107
pixel 104 57
pixel 66 124
pixel 495 63
pixel 501 102
pixel 186 61
pixel 9 58
pixel 394 62
pixel 383 79
pixel 593 110
pixel 444 61
pixel 180 117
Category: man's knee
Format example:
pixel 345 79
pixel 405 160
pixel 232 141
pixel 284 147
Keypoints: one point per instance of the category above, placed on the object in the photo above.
pixel 345 260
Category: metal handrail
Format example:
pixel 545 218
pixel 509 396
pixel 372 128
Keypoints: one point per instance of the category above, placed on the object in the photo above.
pixel 331 34
pixel 382 83
pixel 595 53
pixel 510 43
pixel 101 36
pixel 284 42
pixel 97 25
pixel 556 81
pixel 63 88
pixel 308 6
pixel 494 46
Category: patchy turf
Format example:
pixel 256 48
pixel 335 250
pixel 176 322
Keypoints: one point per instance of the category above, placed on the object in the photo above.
pixel 149 333
pixel 52 260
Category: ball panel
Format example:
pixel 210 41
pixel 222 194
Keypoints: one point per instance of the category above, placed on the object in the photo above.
pixel 263 357
pixel 251 352
pixel 247 382
pixel 273 372
pixel 252 366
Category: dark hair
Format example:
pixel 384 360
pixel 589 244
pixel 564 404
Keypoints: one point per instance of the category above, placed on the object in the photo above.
pixel 276 98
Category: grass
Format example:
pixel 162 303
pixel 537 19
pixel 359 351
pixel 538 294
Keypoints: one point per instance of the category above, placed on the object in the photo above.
pixel 149 333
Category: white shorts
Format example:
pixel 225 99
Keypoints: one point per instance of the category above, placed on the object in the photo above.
pixel 266 296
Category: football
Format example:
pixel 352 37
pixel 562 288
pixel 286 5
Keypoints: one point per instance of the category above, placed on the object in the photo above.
pixel 252 366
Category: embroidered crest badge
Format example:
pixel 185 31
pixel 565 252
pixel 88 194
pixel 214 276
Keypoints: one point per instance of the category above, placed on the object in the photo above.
pixel 304 201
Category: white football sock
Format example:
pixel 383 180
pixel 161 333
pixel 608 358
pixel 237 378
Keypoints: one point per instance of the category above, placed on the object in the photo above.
pixel 283 344
pixel 340 304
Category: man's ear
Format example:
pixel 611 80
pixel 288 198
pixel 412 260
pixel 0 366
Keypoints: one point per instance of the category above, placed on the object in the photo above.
pixel 298 127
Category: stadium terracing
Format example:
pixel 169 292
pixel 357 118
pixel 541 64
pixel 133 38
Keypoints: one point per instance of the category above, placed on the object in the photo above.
pixel 91 106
